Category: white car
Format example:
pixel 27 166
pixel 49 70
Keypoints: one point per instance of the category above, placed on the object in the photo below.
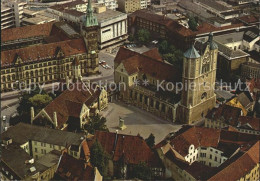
pixel 107 66
pixel 103 61
pixel 4 118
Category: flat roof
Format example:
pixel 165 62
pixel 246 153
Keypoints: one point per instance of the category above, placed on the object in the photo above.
pixel 108 14
pixel 229 38
pixel 38 19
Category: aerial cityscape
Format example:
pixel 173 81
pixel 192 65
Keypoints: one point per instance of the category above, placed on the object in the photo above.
pixel 130 90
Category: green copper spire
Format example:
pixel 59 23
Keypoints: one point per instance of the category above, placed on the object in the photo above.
pixel 90 20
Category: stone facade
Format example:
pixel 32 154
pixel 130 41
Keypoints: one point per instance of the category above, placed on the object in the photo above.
pixel 198 78
pixel 133 89
pixel 250 70
pixel 44 53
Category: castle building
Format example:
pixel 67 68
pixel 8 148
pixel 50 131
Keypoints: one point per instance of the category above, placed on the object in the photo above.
pixel 198 78
pixel 44 53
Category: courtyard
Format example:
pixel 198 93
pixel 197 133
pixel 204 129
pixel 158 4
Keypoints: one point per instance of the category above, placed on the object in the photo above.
pixel 137 121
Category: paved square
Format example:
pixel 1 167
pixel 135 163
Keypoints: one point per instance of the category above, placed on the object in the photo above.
pixel 137 121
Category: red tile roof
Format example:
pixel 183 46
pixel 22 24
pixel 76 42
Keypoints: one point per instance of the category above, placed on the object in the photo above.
pixel 154 54
pixel 70 102
pixel 70 168
pixel 253 122
pixel 229 113
pixel 249 19
pixel 86 150
pixel 135 62
pixel 43 51
pixel 26 32
pixel 132 149
pixel 195 136
pixel 240 167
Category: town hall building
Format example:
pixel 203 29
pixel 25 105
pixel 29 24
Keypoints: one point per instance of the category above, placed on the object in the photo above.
pixel 44 53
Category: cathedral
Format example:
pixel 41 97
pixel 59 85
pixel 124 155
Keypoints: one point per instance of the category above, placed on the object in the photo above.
pixel 198 78
pixel 44 53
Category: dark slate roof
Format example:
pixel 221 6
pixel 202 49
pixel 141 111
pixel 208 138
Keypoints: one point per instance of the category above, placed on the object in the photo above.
pixel 22 133
pixel 192 53
pixel 251 34
pixel 15 157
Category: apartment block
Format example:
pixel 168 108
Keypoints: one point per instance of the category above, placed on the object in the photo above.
pixel 12 13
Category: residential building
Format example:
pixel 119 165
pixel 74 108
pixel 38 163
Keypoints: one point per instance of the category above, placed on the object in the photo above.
pixel 112 25
pixel 72 109
pixel 226 115
pixel 70 168
pixel 37 141
pixel 124 152
pixel 110 4
pixel 12 13
pixel 244 101
pixel 142 83
pixel 17 164
pixel 199 71
pixel 46 54
pixel 32 152
pixel 190 151
pixel 250 70
pixel 129 6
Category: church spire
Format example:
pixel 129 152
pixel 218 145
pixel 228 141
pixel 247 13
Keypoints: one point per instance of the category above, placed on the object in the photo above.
pixel 90 19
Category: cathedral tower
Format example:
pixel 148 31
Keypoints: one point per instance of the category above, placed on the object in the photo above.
pixel 198 78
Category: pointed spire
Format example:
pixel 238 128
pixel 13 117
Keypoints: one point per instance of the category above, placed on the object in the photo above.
pixel 90 19
pixel 212 44
pixel 89 9
pixel 192 53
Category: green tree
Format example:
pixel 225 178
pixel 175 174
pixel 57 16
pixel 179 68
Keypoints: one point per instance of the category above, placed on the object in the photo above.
pixel 131 37
pixel 143 36
pixel 150 140
pixel 192 24
pixel 98 158
pixel 141 171
pixel 25 104
pixel 96 123
pixel 39 101
pixel 163 47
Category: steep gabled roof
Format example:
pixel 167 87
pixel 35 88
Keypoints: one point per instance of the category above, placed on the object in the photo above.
pixel 70 168
pixel 26 32
pixel 240 167
pixel 135 62
pixel 70 102
pixel 132 149
pixel 43 51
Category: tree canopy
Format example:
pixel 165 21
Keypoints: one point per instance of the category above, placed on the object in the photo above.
pixel 141 171
pixel 96 123
pixel 193 23
pixel 143 36
pixel 36 98
pixel 98 157
pixel 171 54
